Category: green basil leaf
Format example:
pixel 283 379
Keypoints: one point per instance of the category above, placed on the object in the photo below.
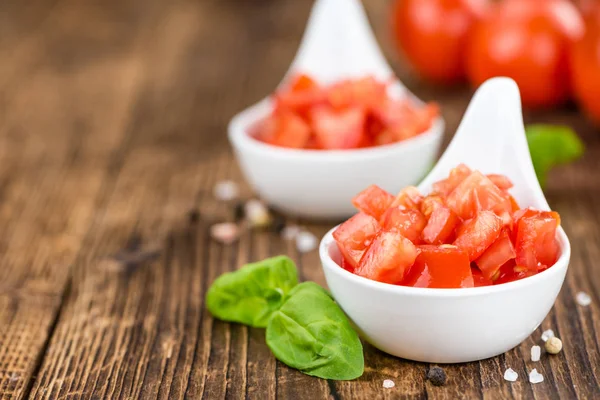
pixel 251 294
pixel 551 145
pixel 311 333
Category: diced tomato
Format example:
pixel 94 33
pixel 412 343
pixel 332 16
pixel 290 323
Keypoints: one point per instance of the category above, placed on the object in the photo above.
pixel 509 272
pixel 285 129
pixel 498 254
pixel 513 203
pixel 530 212
pixel 409 197
pixel 501 181
pixel 388 258
pixel 409 223
pixel 347 265
pixel 299 101
pixel 302 82
pixel 338 129
pixel 457 175
pixel 477 193
pixel 536 244
pixel 385 137
pixel 478 233
pixel 373 201
pixel 364 92
pixel 440 226
pixel 430 203
pixel 444 266
pixel 355 235
pixel 478 278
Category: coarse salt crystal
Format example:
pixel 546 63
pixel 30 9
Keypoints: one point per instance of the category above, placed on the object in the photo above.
pixel 305 242
pixel 510 375
pixel 225 232
pixel 290 232
pixel 535 377
pixel 536 351
pixel 226 190
pixel 547 334
pixel 583 299
pixel 388 384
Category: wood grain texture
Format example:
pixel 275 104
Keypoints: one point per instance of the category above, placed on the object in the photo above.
pixel 112 136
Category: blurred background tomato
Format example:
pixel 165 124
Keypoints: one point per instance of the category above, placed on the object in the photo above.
pixel 551 48
pixel 433 35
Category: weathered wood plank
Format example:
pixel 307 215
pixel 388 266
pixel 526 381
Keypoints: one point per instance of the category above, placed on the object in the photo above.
pixel 57 137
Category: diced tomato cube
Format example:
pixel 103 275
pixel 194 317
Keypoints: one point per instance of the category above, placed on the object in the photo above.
pixel 388 258
pixel 478 278
pixel 409 197
pixel 339 129
pixel 430 203
pixel 347 265
pixel 513 203
pixel 364 92
pixel 285 129
pixel 385 137
pixel 509 272
pixel 440 226
pixel 410 223
pixel 457 175
pixel 444 266
pixel 477 193
pixel 373 201
pixel 501 181
pixel 478 233
pixel 355 235
pixel 536 244
pixel 498 254
pixel 302 82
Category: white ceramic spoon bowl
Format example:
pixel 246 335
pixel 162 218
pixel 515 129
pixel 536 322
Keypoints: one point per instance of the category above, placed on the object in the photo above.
pixel 460 325
pixel 337 44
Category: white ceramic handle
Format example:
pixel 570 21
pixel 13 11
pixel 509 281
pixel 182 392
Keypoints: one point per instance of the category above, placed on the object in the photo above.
pixel 338 42
pixel 491 138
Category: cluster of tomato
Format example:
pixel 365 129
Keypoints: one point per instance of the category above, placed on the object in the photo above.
pixel 551 48
pixel 348 114
pixel 468 232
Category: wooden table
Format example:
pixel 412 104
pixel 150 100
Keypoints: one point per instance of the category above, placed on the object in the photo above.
pixel 112 135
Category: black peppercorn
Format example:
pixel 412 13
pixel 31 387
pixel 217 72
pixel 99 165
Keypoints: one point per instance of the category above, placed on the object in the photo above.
pixel 437 376
pixel 238 211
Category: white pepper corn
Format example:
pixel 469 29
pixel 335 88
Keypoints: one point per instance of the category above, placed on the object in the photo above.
pixel 553 345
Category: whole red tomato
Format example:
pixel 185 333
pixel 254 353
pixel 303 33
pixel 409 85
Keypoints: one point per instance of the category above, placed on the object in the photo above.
pixel 585 67
pixel 527 40
pixel 432 34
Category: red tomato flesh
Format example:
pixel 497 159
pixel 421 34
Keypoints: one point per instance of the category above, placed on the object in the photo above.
pixel 373 201
pixel 409 197
pixel 440 226
pixel 498 254
pixel 457 175
pixel 348 114
pixel 338 129
pixel 285 129
pixel 536 245
pixel 477 193
pixel 410 223
pixel 355 235
pixel 478 278
pixel 477 234
pixel 443 266
pixel 468 232
pixel 388 258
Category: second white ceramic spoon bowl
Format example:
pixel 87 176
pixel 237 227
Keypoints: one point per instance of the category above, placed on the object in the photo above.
pixel 337 44
pixel 460 325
